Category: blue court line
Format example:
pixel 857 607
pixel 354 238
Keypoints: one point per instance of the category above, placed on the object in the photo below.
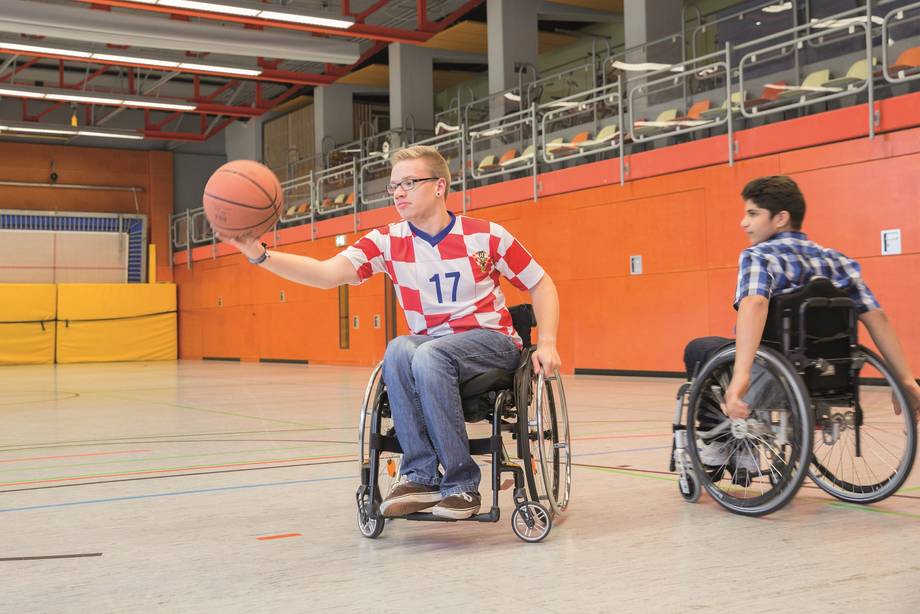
pixel 173 494
pixel 618 451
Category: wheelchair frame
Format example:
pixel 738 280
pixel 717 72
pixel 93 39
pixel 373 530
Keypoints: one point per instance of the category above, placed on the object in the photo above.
pixel 791 359
pixel 533 516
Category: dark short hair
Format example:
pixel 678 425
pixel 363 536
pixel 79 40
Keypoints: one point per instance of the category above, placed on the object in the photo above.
pixel 777 193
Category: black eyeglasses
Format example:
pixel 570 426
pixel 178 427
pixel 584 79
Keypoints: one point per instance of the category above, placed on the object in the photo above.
pixel 407 184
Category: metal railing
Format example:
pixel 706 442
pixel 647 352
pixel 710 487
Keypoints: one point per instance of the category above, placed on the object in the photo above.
pixel 712 66
pixel 338 178
pixel 544 130
pixel 897 17
pixel 704 27
pixel 568 110
pixel 513 130
pixel 299 199
pixel 801 96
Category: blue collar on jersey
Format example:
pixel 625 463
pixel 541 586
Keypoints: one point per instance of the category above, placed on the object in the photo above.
pixel 434 240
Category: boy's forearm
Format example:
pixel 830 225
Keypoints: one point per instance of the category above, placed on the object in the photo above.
pixel 886 339
pixel 546 309
pixel 752 315
pixel 309 271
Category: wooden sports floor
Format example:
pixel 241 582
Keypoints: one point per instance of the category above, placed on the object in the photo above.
pixel 229 487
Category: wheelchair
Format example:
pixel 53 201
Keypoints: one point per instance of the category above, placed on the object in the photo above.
pixel 821 405
pixel 530 409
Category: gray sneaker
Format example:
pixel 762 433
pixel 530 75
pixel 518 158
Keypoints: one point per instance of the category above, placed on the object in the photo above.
pixel 408 497
pixel 458 506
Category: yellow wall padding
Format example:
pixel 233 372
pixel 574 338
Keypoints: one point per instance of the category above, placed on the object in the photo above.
pixel 116 322
pixel 27 323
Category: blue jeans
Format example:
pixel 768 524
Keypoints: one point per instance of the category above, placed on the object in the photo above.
pixel 423 376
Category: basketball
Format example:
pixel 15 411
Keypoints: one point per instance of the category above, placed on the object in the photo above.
pixel 242 198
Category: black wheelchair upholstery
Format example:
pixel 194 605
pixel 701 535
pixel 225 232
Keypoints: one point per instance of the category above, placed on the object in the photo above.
pixel 815 328
pixel 810 415
pixel 478 393
pixel 529 407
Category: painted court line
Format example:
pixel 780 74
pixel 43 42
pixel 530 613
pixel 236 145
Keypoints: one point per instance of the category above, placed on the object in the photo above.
pixel 871 510
pixel 51 556
pixel 173 469
pixel 282 536
pixel 28 458
pixel 181 475
pixel 173 494
pixel 157 459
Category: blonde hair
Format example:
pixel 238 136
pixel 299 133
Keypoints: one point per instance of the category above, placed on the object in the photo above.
pixel 436 161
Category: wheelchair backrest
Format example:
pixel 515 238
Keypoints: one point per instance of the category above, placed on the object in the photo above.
pixel 811 317
pixel 815 321
pixel 523 319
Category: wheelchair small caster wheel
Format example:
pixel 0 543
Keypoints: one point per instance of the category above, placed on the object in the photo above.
pixel 531 522
pixel 370 524
pixel 689 487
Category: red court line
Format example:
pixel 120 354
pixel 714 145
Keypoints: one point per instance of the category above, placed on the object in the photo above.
pixel 119 475
pixel 282 536
pixel 16 460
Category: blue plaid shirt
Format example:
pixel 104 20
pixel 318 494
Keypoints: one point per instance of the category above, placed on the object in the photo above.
pixel 788 260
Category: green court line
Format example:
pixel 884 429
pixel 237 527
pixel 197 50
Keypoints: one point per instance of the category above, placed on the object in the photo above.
pixel 212 411
pixel 910 489
pixel 72 395
pixel 79 443
pixel 263 461
pixel 871 510
pixel 162 458
pixel 632 474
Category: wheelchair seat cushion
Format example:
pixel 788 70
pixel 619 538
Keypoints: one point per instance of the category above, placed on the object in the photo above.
pixel 493 380
pixel 478 393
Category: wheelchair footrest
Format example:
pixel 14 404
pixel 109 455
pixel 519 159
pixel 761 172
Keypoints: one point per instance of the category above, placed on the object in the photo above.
pixel 493 515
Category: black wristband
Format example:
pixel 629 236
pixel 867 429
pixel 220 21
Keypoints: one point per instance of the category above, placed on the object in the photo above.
pixel 261 258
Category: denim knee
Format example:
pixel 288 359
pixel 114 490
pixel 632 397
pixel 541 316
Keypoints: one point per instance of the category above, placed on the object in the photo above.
pixel 430 361
pixel 399 353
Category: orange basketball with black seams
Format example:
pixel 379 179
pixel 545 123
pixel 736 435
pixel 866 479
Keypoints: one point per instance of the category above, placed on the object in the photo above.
pixel 243 198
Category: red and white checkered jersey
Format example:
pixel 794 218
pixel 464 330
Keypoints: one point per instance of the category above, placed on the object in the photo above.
pixel 448 283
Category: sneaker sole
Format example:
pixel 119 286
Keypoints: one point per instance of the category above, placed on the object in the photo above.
pixel 409 504
pixel 455 514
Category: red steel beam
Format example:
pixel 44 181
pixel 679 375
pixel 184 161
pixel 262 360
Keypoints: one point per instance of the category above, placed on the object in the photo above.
pixel 18 69
pixel 270 75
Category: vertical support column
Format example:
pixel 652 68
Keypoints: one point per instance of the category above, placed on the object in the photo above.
pixel 411 86
pixel 513 40
pixel 646 21
pixel 333 115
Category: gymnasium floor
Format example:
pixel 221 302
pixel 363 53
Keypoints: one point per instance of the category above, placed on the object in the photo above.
pixel 229 487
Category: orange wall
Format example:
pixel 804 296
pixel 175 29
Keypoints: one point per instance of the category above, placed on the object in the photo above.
pixel 685 225
pixel 150 170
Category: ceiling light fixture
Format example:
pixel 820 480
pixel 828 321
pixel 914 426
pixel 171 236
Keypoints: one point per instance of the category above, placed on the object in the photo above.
pixel 247 9
pixel 132 59
pixel 22 128
pixel 18 91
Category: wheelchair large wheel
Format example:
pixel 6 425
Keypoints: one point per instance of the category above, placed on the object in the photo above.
pixel 547 451
pixel 864 453
pixel 373 408
pixel 763 459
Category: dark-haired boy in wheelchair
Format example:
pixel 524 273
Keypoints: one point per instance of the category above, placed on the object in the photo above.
pixel 781 259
